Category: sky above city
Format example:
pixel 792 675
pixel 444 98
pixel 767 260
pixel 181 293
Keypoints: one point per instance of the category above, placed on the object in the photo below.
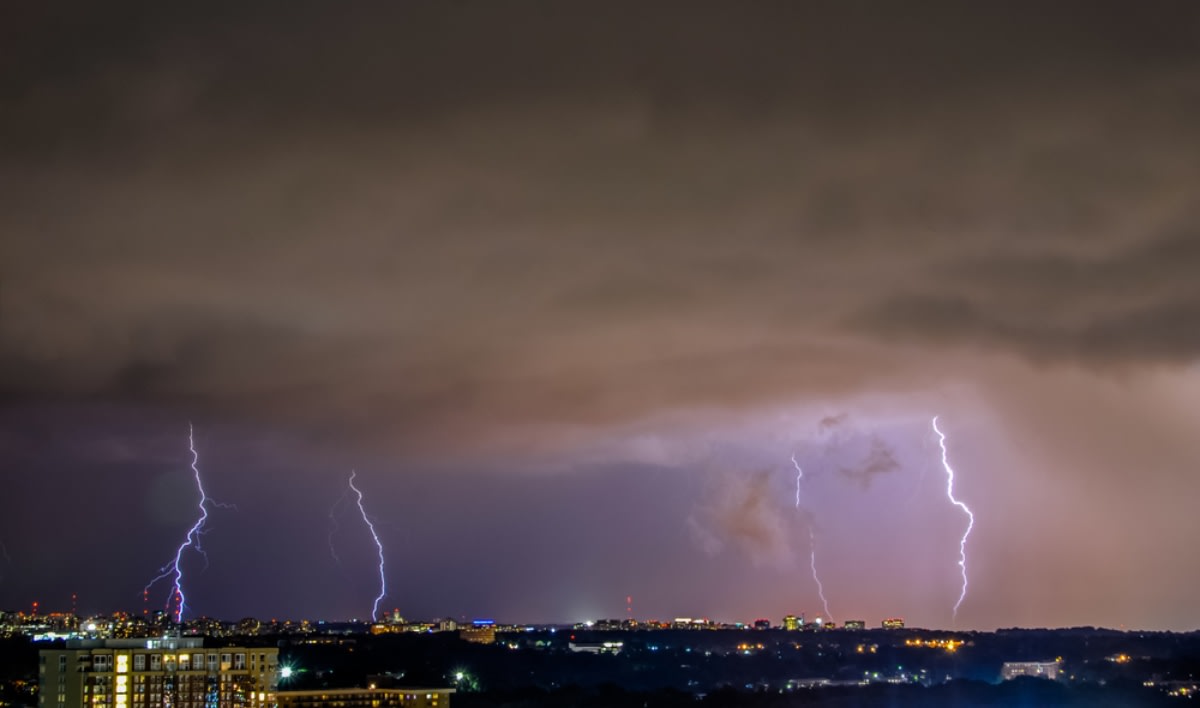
pixel 569 285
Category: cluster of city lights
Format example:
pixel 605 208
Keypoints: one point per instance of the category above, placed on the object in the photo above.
pixel 950 645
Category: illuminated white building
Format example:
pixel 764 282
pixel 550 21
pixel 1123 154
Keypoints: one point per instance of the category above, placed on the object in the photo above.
pixel 139 673
pixel 1040 669
pixel 608 647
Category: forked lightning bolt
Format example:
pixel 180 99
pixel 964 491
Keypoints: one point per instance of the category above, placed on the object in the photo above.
pixel 378 547
pixel 174 569
pixel 812 543
pixel 962 544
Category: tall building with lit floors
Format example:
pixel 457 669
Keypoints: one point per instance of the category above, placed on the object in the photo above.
pixel 139 673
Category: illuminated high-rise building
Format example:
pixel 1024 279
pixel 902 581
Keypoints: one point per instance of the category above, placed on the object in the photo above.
pixel 139 673
pixel 893 623
pixel 854 624
pixel 791 623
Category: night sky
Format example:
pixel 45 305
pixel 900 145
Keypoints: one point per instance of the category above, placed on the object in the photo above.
pixel 568 284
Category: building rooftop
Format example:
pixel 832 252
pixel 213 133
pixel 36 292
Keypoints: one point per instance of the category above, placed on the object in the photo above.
pixel 138 643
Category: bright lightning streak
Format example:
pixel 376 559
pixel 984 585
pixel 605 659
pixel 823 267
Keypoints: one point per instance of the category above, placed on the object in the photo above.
pixel 378 547
pixel 962 544
pixel 191 540
pixel 812 543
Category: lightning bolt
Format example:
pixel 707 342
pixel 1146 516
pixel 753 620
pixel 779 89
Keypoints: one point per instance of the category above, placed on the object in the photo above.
pixel 812 563
pixel 174 569
pixel 333 525
pixel 812 543
pixel 799 476
pixel 191 540
pixel 378 547
pixel 962 543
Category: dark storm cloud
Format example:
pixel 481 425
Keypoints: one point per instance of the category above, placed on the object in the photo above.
pixel 1129 306
pixel 405 215
pixel 743 510
pixel 1154 334
pixel 879 460
pixel 831 422
pixel 855 452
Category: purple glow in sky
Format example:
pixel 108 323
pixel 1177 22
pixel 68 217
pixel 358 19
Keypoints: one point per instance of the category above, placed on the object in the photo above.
pixel 583 298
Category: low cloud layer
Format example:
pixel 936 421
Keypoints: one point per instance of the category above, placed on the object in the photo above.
pixel 369 249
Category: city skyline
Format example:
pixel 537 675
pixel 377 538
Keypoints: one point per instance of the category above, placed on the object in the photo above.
pixel 604 302
pixel 766 541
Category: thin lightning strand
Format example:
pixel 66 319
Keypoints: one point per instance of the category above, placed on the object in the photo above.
pixel 962 544
pixel 333 525
pixel 812 543
pixel 191 540
pixel 812 562
pixel 378 547
pixel 799 476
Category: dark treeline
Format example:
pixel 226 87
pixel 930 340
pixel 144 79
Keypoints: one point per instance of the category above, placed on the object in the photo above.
pixel 761 668
pixel 1019 693
pixel 703 661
